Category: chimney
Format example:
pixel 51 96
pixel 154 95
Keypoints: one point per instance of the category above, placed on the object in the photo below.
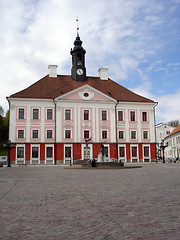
pixel 53 71
pixel 103 73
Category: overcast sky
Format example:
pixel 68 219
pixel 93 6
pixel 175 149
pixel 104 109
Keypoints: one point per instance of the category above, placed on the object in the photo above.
pixel 138 40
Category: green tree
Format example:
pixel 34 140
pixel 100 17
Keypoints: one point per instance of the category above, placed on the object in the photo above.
pixel 173 123
pixel 4 128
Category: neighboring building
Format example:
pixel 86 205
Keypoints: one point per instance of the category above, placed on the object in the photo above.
pixel 63 118
pixel 173 140
pixel 162 130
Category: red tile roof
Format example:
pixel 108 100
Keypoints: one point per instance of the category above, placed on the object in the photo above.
pixel 50 88
pixel 177 129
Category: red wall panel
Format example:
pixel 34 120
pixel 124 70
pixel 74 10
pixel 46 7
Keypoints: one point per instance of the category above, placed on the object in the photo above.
pixel 77 151
pixel 140 152
pixel 42 152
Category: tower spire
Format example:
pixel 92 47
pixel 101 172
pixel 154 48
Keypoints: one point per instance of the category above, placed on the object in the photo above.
pixel 77 20
pixel 78 70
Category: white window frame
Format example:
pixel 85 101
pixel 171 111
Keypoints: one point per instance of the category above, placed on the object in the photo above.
pixel 20 159
pixel 49 158
pixel 122 159
pixel 35 159
pixel 132 158
pixel 71 158
pixel 146 145
pixel 65 114
pixel 39 113
pixel 17 133
pixel 47 114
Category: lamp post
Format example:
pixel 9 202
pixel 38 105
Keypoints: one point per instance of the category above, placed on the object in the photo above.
pixel 162 147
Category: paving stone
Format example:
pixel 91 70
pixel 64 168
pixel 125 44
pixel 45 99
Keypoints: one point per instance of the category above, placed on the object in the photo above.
pixel 57 203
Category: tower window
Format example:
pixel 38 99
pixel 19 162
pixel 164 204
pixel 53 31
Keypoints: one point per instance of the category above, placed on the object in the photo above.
pixel 79 57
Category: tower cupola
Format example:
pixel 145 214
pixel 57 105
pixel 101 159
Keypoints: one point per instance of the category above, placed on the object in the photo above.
pixel 78 70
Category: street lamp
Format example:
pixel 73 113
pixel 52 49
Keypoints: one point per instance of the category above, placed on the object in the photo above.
pixel 162 147
pixel 9 146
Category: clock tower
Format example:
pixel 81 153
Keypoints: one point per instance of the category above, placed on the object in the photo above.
pixel 78 70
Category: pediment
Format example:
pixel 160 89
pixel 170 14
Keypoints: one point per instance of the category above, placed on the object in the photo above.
pixel 85 93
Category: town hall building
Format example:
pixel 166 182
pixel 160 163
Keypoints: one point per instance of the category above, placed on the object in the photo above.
pixel 62 119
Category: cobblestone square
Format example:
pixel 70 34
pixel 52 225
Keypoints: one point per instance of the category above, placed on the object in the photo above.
pixel 53 202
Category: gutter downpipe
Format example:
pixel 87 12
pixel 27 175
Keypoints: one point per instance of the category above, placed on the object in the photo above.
pixel 55 146
pixel 116 128
pixel 155 128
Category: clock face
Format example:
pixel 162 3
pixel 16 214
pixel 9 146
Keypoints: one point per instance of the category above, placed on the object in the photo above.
pixel 79 71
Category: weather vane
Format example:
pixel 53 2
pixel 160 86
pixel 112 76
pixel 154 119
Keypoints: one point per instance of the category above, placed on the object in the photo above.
pixel 77 25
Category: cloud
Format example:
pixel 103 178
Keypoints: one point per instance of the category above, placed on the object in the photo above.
pixel 129 37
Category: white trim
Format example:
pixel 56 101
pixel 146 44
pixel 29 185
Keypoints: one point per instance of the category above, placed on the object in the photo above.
pixel 52 158
pixel 35 159
pixel 82 150
pixel 133 158
pixel 123 159
pixel 20 160
pixel 71 158
pixel 146 145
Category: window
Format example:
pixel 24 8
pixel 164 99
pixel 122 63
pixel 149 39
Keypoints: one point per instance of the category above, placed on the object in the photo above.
pixel 132 116
pixel 21 113
pixel 35 133
pixel 86 114
pixel 67 152
pixel 49 114
pixel 49 133
pixel 145 134
pixel 144 116
pixel 20 133
pixel 146 151
pixel 35 151
pixel 35 113
pixel 167 132
pixel 49 152
pixel 86 134
pixel 134 151
pixel 67 114
pixel 133 134
pixel 106 151
pixel 20 152
pixel 67 133
pixel 120 115
pixel 104 134
pixel 104 115
pixel 121 134
pixel 121 151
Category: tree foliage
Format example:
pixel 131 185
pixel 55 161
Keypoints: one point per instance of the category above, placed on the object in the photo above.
pixel 4 127
pixel 173 123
